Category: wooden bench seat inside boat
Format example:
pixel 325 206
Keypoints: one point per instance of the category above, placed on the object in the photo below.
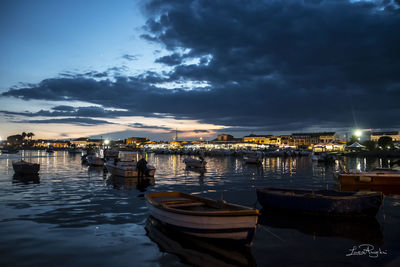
pixel 189 204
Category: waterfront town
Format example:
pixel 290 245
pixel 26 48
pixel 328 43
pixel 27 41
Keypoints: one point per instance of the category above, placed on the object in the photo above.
pixel 225 143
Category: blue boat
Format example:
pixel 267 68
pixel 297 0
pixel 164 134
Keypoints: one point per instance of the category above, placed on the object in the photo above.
pixel 321 202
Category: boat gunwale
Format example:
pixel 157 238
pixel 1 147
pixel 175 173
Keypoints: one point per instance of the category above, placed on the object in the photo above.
pixel 242 210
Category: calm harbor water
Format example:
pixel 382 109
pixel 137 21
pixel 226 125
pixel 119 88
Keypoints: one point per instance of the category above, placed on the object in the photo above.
pixel 75 215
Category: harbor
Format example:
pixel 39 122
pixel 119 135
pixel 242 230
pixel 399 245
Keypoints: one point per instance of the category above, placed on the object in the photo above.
pixel 76 209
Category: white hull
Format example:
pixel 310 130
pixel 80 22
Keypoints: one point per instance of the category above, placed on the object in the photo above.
pixel 218 227
pixel 127 171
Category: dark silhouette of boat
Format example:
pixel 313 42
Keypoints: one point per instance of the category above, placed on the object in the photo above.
pixel 324 202
pixel 25 168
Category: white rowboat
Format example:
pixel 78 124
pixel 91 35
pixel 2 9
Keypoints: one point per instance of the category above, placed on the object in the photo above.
pixel 203 217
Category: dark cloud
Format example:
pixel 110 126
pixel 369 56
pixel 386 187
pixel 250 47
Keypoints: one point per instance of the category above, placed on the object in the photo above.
pixel 143 126
pixel 76 121
pixel 130 57
pixel 63 108
pixel 63 111
pixel 170 60
pixel 268 65
pixel 201 131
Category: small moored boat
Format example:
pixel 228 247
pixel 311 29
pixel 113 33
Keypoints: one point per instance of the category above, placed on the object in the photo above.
pixel 195 163
pixel 203 217
pixel 252 158
pixel 328 202
pixel 127 168
pixel 25 168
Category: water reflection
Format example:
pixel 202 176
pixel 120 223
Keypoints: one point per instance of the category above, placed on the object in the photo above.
pixel 94 171
pixel 364 230
pixel 118 182
pixel 26 178
pixel 197 251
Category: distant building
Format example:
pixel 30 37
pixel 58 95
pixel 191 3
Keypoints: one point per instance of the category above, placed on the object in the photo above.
pixel 51 143
pixel 135 140
pixel 225 137
pixel 394 135
pixel 311 139
pixel 84 142
pixel 252 138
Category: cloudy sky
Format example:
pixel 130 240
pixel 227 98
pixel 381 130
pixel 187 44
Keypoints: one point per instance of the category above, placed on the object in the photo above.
pixel 146 68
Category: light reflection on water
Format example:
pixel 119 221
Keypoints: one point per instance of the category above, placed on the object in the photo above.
pixel 81 210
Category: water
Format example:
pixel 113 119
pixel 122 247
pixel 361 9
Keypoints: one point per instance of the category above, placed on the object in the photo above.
pixel 80 216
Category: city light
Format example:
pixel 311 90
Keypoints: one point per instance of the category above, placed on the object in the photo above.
pixel 358 133
pixel 106 142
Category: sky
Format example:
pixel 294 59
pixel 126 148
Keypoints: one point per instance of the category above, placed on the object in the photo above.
pixel 117 69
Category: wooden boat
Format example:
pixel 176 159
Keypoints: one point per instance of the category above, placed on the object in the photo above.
pixel 194 163
pixel 203 217
pixel 327 202
pixel 25 168
pixel 370 178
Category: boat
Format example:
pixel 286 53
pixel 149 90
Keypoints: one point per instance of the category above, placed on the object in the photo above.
pixel 125 165
pixel 195 163
pixel 203 217
pixel 93 160
pixel 252 158
pixel 371 178
pixel 197 251
pixel 324 202
pixel 127 168
pixel 25 168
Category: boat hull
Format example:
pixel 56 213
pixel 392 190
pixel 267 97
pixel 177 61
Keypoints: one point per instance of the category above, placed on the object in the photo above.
pixel 330 203
pixel 222 226
pixel 370 179
pixel 240 229
pixel 24 169
pixel 127 172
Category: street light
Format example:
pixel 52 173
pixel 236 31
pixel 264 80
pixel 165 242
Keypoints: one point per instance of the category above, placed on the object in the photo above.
pixel 106 142
pixel 358 134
